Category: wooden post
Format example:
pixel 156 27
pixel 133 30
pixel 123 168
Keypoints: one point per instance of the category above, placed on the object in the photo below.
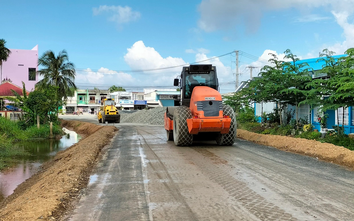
pixel 51 130
pixel 38 121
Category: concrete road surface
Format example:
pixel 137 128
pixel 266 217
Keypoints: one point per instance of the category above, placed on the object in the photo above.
pixel 144 177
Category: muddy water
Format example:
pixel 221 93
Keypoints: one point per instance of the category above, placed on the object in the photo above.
pixel 40 152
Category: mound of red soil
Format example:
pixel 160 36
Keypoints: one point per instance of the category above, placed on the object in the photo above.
pixel 323 151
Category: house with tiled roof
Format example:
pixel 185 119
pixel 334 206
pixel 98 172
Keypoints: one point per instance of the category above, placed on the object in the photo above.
pixel 6 110
pixel 20 66
pixel 7 86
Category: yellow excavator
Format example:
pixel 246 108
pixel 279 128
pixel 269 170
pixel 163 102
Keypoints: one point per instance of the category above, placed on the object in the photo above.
pixel 108 112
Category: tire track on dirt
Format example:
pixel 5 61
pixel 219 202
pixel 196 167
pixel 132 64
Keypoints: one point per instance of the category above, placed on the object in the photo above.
pixel 162 173
pixel 248 198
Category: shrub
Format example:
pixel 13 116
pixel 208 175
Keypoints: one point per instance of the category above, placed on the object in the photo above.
pixel 43 131
pixel 11 130
pixel 246 115
pixel 284 130
pixel 253 127
pixel 267 131
pixel 274 116
pixel 310 135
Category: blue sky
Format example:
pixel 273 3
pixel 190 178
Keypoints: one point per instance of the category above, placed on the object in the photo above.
pixel 113 42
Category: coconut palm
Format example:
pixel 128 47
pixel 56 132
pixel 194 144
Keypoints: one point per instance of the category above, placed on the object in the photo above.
pixel 4 54
pixel 57 71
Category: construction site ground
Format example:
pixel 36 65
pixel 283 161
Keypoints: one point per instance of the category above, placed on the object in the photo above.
pixel 54 192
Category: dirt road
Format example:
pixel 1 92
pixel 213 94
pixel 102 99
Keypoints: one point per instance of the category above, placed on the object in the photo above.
pixel 144 177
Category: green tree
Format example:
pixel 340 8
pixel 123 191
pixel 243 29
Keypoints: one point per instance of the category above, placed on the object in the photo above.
pixel 4 54
pixel 116 88
pixel 296 76
pixel 343 83
pixel 266 87
pixel 323 86
pixel 41 102
pixel 57 71
pixel 270 84
pixel 37 103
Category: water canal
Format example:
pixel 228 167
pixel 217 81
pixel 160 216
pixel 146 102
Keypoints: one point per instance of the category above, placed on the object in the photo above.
pixel 40 152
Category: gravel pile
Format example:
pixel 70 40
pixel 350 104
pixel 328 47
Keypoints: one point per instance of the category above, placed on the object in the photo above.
pixel 153 116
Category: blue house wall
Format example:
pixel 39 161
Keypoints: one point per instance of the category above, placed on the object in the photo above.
pixel 316 67
pixel 331 122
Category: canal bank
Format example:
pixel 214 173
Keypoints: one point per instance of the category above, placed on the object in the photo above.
pixel 39 151
pixel 49 192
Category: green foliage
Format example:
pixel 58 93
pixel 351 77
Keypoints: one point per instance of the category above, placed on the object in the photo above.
pixel 4 52
pixel 285 130
pixel 246 115
pixel 274 116
pixel 43 131
pixel 271 118
pixel 266 131
pixel 310 135
pixel 339 139
pixel 38 103
pixel 9 133
pixel 114 88
pixel 2 104
pixel 57 73
pixel 8 153
pixel 11 130
pixel 251 126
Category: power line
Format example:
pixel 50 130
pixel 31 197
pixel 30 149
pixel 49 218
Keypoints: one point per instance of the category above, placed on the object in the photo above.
pixel 164 68
pixel 250 56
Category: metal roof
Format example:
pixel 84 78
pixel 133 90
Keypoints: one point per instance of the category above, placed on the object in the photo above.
pixel 168 92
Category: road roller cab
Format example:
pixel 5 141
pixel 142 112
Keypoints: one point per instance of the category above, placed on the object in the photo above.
pixel 201 109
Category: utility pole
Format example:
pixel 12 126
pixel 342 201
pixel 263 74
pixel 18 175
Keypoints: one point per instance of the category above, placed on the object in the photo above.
pixel 237 74
pixel 251 68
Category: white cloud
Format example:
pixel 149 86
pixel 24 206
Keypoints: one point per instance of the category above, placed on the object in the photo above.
pixel 226 14
pixel 141 57
pixel 312 18
pixel 190 51
pixel 342 20
pixel 199 50
pixel 104 78
pixel 203 51
pixel 150 65
pixel 117 14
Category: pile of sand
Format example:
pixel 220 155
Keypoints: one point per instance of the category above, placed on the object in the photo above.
pixel 323 151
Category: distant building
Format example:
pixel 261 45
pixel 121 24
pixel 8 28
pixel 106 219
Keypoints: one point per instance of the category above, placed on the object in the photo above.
pixel 139 100
pixel 161 97
pixel 85 100
pixel 21 65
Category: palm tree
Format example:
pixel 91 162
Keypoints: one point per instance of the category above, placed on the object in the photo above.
pixel 57 71
pixel 4 54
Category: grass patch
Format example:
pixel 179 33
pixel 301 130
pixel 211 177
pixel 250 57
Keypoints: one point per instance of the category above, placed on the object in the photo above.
pixel 11 133
pixel 43 131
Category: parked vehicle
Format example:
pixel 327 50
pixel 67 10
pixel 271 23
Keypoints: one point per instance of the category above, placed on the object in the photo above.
pixel 108 112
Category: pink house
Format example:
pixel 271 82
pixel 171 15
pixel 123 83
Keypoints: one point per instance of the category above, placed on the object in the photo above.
pixel 20 66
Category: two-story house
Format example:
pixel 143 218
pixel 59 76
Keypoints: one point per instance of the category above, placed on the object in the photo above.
pixel 21 66
pixel 85 101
